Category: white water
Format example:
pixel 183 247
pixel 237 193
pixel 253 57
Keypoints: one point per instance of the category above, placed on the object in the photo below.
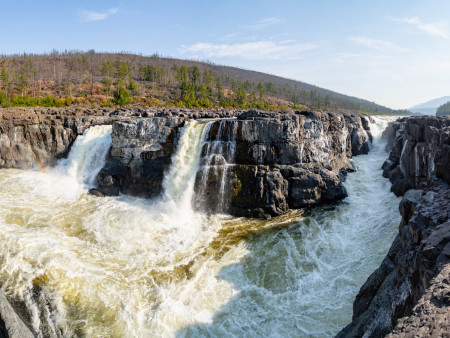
pixel 218 155
pixel 87 155
pixel 127 267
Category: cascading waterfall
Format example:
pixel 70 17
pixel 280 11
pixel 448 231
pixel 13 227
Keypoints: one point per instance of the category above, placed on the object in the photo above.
pixel 217 156
pixel 87 156
pixel 178 184
pixel 130 267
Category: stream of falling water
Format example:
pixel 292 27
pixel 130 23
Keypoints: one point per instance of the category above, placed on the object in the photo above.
pixel 128 267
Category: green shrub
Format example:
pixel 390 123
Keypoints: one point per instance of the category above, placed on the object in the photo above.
pixel 121 96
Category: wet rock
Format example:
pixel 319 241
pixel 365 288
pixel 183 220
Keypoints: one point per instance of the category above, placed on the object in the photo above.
pixel 258 155
pixel 96 192
pixel 140 154
pixel 11 325
pixel 409 292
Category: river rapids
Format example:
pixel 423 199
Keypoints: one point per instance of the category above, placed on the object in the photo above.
pixel 79 265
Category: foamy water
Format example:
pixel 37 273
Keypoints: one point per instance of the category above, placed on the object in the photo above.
pixel 129 267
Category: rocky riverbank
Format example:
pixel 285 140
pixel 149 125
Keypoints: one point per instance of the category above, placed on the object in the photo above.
pixel 32 137
pixel 270 162
pixel 409 294
pixel 259 164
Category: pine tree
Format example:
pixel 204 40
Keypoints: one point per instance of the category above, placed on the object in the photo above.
pixel 23 79
pixel 4 77
pixel 107 72
pixel 219 91
pixel 260 89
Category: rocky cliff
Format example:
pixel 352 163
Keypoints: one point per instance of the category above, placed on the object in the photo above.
pixel 419 151
pixel 258 164
pixel 409 294
pixel 40 136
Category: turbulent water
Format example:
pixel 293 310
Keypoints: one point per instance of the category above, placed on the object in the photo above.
pixel 128 267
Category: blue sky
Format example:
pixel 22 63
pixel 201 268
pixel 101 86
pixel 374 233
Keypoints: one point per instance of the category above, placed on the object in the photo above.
pixel 396 53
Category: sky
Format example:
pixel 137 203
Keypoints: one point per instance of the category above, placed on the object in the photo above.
pixel 395 53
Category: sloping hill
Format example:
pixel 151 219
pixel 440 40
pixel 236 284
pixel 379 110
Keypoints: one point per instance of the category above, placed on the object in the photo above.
pixel 106 78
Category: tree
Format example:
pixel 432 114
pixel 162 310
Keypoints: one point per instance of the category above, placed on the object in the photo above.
pixel 188 94
pixel 260 89
pixel 121 70
pixel 107 72
pixel 182 76
pixel 4 77
pixel 443 109
pixel 121 95
pixel 240 95
pixel 219 91
pixel 22 79
pixel 194 75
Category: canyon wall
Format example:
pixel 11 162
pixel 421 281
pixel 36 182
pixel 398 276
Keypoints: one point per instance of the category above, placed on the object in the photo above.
pixel 409 294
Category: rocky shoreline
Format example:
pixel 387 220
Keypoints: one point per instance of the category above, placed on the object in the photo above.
pixel 409 294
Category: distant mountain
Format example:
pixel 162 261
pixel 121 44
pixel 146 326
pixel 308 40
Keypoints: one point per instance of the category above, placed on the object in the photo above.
pixel 429 107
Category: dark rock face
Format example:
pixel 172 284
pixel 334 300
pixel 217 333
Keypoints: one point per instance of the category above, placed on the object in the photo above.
pixel 30 137
pixel 414 275
pixel 283 162
pixel 408 295
pixel 258 165
pixel 140 154
pixel 419 151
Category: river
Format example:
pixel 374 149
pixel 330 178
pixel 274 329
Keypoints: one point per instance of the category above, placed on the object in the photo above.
pixel 130 267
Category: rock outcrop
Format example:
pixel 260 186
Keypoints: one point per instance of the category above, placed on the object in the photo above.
pixel 419 151
pixel 409 294
pixel 39 137
pixel 32 137
pixel 11 325
pixel 270 161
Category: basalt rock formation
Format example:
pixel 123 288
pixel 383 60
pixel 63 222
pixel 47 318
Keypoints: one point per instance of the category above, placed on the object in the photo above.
pixel 259 164
pixel 419 151
pixel 409 294
pixel 40 136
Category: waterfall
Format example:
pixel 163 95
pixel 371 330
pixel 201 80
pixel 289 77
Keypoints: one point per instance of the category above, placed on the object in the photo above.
pixel 87 155
pixel 179 182
pixel 201 165
pixel 379 123
pixel 218 151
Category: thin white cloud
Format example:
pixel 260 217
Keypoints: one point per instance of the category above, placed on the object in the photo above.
pixel 264 23
pixel 432 28
pixel 229 36
pixel 87 16
pixel 379 45
pixel 251 50
pixel 350 55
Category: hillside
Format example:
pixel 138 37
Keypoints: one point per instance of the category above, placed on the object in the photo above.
pixel 104 79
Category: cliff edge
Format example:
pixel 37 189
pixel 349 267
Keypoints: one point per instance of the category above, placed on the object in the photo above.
pixel 409 294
